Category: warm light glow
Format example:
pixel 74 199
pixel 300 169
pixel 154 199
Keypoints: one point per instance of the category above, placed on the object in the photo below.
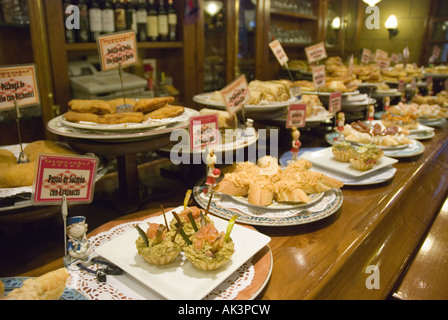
pixel 212 7
pixel 336 23
pixel 391 22
pixel 371 2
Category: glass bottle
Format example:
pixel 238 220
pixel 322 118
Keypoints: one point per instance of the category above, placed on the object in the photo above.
pixel 162 19
pixel 141 20
pixel 131 16
pixel 120 15
pixel 95 22
pixel 172 21
pixel 83 32
pixel 152 30
pixel 107 17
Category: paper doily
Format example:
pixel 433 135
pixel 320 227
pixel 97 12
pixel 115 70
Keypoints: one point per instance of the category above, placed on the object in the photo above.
pixel 116 287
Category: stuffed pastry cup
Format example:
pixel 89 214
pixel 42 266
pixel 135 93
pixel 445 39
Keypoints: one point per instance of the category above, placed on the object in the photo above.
pixel 156 246
pixel 209 249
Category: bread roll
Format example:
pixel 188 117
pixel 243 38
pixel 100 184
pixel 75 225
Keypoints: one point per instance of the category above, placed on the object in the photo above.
pixel 49 286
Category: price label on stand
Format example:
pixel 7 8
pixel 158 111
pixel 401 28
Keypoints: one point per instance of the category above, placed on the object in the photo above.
pixel 117 49
pixel 60 175
pixel 381 53
pixel 401 86
pixel 394 58
pixel 365 56
pixel 435 54
pixel 316 52
pixel 278 52
pixel 350 66
pixel 319 76
pixel 203 131
pixel 296 115
pixel 383 62
pixel 18 85
pixel 236 94
pixel 405 56
pixel 335 102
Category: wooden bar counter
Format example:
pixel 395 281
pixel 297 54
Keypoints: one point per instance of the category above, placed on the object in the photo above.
pixel 379 227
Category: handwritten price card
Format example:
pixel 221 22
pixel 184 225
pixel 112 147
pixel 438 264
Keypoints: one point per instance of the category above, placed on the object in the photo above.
pixel 383 62
pixel 278 52
pixel 335 102
pixel 365 56
pixel 401 85
pixel 203 131
pixel 381 53
pixel 394 58
pixel 236 94
pixel 296 115
pixel 316 52
pixel 319 76
pixel 59 175
pixel 18 83
pixel 117 48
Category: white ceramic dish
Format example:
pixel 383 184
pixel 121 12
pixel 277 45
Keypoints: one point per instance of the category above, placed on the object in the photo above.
pixel 324 158
pixel 180 279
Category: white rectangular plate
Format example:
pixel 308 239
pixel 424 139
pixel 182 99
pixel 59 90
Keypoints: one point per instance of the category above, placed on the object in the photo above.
pixel 180 279
pixel 325 159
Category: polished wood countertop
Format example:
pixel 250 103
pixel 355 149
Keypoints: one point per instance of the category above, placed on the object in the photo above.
pixel 379 225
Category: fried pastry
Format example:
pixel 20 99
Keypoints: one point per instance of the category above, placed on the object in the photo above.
pixel 81 117
pixel 17 175
pixel 234 184
pixel 119 101
pixel 261 191
pixel 151 104
pixel 33 149
pixel 49 286
pixel 290 191
pixel 315 182
pixel 91 106
pixel 7 158
pixel 123 117
pixel 165 112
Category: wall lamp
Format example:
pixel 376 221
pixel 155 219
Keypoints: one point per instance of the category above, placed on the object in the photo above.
pixel 336 23
pixel 391 26
pixel 371 3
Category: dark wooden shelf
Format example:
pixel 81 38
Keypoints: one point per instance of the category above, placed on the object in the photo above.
pixel 88 46
pixel 293 14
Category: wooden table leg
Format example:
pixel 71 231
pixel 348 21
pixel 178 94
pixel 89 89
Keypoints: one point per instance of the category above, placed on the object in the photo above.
pixel 128 183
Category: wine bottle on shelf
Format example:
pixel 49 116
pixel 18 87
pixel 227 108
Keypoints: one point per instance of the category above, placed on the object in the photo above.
pixel 84 30
pixel 70 36
pixel 131 16
pixel 120 15
pixel 141 20
pixel 107 17
pixel 172 21
pixel 152 30
pixel 95 22
pixel 162 19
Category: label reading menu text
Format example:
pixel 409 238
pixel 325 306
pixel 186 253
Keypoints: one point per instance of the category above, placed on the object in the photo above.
pixel 18 83
pixel 117 49
pixel 61 175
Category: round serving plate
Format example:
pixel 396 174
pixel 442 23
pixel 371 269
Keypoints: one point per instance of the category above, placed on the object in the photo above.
pixel 57 127
pixel 224 206
pixel 376 177
pixel 147 124
pixel 280 205
pixel 330 138
pixel 204 99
